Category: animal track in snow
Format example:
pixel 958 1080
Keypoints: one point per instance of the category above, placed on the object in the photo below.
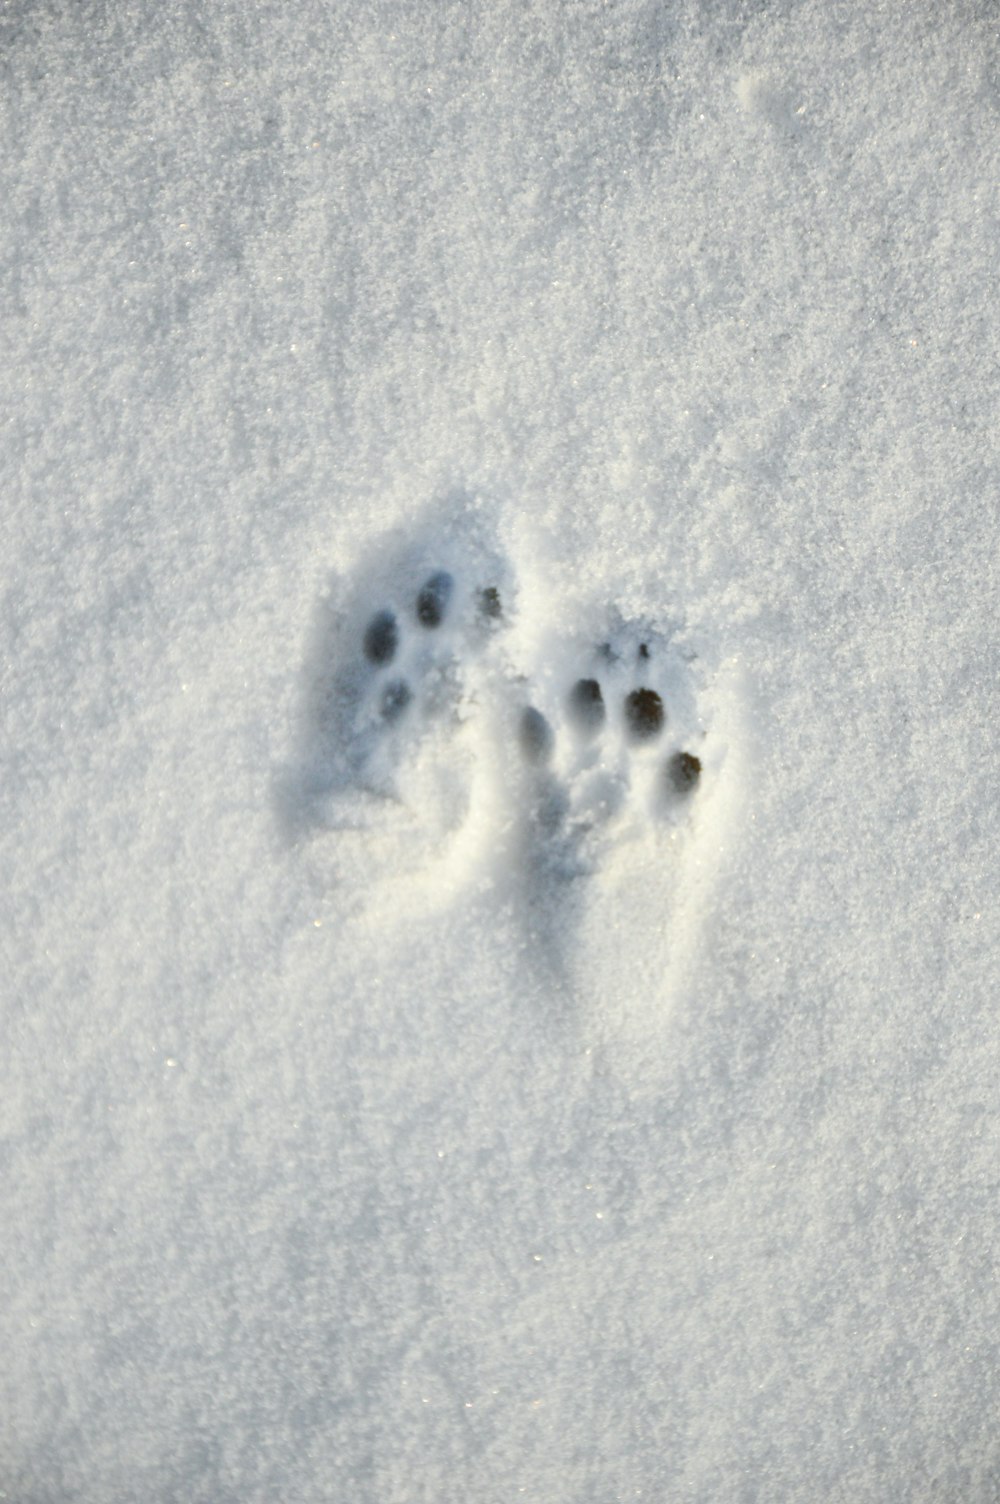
pixel 395 679
pixel 612 737
pixel 413 668
pixel 622 791
pixel 467 742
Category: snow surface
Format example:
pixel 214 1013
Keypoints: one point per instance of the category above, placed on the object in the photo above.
pixel 386 1117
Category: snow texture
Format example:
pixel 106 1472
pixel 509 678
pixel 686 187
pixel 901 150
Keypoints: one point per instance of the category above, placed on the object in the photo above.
pixel 498 818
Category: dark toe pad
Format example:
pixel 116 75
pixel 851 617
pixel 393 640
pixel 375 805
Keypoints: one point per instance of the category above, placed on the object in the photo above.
pixel 381 638
pixel 432 601
pixel 644 715
pixel 684 770
pixel 535 736
pixel 586 705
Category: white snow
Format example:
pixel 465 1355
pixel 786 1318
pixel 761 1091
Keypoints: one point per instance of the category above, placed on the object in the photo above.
pixel 385 1117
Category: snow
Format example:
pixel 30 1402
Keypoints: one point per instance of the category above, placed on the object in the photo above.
pixel 385 1116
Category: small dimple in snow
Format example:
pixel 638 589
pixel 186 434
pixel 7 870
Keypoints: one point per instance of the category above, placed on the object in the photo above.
pixel 586 706
pixel 537 740
pixel 433 599
pixel 381 638
pixel 684 771
pixel 644 714
pixel 396 696
pixel 489 603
